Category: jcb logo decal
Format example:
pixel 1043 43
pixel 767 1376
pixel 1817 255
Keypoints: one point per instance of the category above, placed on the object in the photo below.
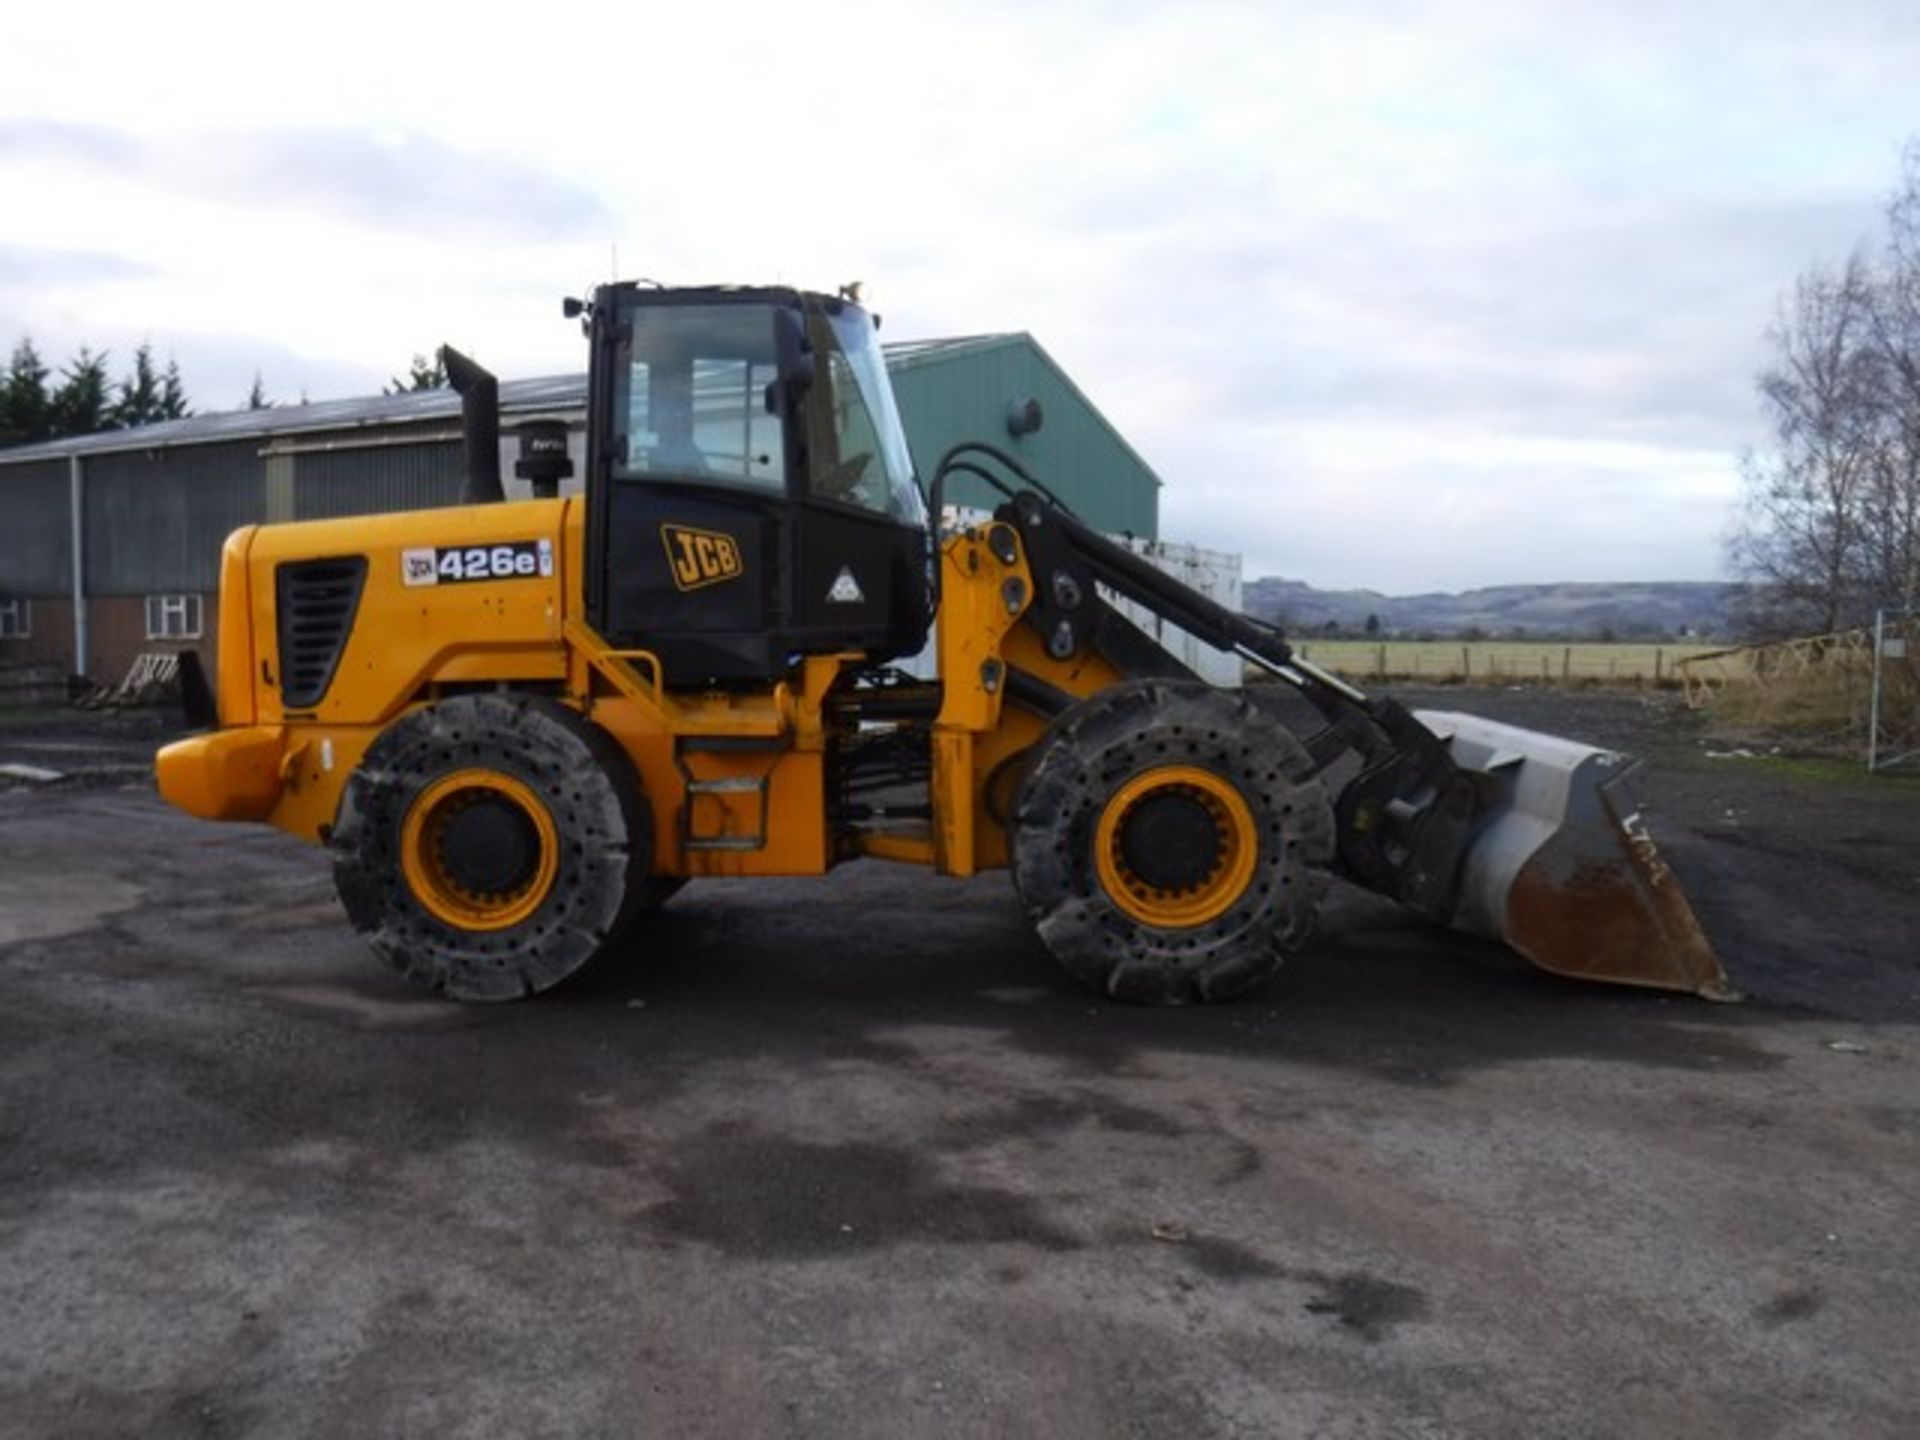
pixel 700 557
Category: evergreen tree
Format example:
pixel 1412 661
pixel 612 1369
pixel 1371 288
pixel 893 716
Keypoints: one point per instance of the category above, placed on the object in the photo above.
pixel 139 402
pixel 173 393
pixel 26 410
pixel 424 374
pixel 257 397
pixel 80 404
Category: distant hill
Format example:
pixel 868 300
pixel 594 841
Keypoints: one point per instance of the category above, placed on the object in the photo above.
pixel 1626 609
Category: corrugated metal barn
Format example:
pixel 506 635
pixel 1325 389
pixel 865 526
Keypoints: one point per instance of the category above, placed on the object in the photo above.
pixel 1007 391
pixel 151 506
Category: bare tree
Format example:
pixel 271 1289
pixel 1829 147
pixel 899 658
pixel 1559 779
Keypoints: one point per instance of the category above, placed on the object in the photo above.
pixel 1887 561
pixel 1891 505
pixel 1801 529
pixel 1829 528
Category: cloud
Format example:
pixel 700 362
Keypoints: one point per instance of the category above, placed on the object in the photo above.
pixel 404 182
pixel 32 138
pixel 220 368
pixel 26 268
pixel 386 180
pixel 1388 296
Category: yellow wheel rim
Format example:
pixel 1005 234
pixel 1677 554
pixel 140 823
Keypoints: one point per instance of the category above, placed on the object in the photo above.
pixel 435 878
pixel 1211 895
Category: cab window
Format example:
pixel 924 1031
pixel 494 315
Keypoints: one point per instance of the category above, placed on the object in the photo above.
pixel 857 452
pixel 691 396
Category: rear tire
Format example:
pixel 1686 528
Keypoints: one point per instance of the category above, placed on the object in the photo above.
pixel 1163 839
pixel 656 890
pixel 488 846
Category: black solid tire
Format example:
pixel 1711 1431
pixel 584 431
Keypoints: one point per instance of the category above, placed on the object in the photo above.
pixel 1086 756
pixel 589 789
pixel 656 891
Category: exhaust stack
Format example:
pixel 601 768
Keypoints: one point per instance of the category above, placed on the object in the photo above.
pixel 479 394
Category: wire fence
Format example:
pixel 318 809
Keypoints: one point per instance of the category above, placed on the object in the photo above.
pixel 1852 691
pixel 1502 662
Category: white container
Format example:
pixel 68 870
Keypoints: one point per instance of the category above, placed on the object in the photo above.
pixel 1214 573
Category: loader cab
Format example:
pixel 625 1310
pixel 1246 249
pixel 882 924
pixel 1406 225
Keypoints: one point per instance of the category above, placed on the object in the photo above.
pixel 750 495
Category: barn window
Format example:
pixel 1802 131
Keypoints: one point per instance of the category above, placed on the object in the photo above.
pixel 173 617
pixel 16 619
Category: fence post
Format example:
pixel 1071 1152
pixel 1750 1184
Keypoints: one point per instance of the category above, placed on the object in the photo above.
pixel 1657 653
pixel 1466 664
pixel 1380 662
pixel 1873 708
pixel 1566 665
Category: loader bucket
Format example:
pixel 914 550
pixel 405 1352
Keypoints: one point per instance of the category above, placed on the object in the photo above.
pixel 1562 869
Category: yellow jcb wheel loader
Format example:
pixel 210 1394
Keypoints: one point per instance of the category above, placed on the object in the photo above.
pixel 518 727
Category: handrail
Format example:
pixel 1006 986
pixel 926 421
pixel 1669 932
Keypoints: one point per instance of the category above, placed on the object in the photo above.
pixel 589 642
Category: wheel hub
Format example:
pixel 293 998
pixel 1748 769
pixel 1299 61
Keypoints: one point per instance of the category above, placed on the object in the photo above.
pixel 489 846
pixel 1175 847
pixel 479 850
pixel 1170 840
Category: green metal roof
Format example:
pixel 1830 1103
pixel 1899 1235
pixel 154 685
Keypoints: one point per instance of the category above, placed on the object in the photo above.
pixel 904 354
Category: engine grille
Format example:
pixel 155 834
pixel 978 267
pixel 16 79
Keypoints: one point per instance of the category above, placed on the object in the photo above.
pixel 316 604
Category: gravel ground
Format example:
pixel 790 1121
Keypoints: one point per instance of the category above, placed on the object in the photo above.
pixel 849 1157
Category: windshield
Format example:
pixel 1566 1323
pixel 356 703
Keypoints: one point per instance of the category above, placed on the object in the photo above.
pixel 858 450
pixel 689 397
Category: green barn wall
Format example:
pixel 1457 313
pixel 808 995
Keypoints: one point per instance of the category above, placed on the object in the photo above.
pixel 961 390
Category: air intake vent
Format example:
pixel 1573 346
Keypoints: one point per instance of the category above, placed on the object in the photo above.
pixel 317 599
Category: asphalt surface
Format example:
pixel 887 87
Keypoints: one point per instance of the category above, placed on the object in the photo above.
pixel 850 1158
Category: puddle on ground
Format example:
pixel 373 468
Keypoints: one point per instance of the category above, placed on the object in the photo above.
pixel 42 906
pixel 373 1012
pixel 310 916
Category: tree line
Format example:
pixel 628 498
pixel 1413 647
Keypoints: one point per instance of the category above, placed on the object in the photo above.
pixel 1829 525
pixel 84 399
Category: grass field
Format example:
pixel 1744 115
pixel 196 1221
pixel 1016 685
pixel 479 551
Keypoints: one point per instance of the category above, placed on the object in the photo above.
pixel 1499 660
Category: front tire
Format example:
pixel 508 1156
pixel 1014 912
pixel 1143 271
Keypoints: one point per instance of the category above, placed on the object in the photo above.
pixel 488 846
pixel 1163 839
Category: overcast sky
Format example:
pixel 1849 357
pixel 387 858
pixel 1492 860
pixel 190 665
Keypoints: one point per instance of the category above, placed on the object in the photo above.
pixel 1403 295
